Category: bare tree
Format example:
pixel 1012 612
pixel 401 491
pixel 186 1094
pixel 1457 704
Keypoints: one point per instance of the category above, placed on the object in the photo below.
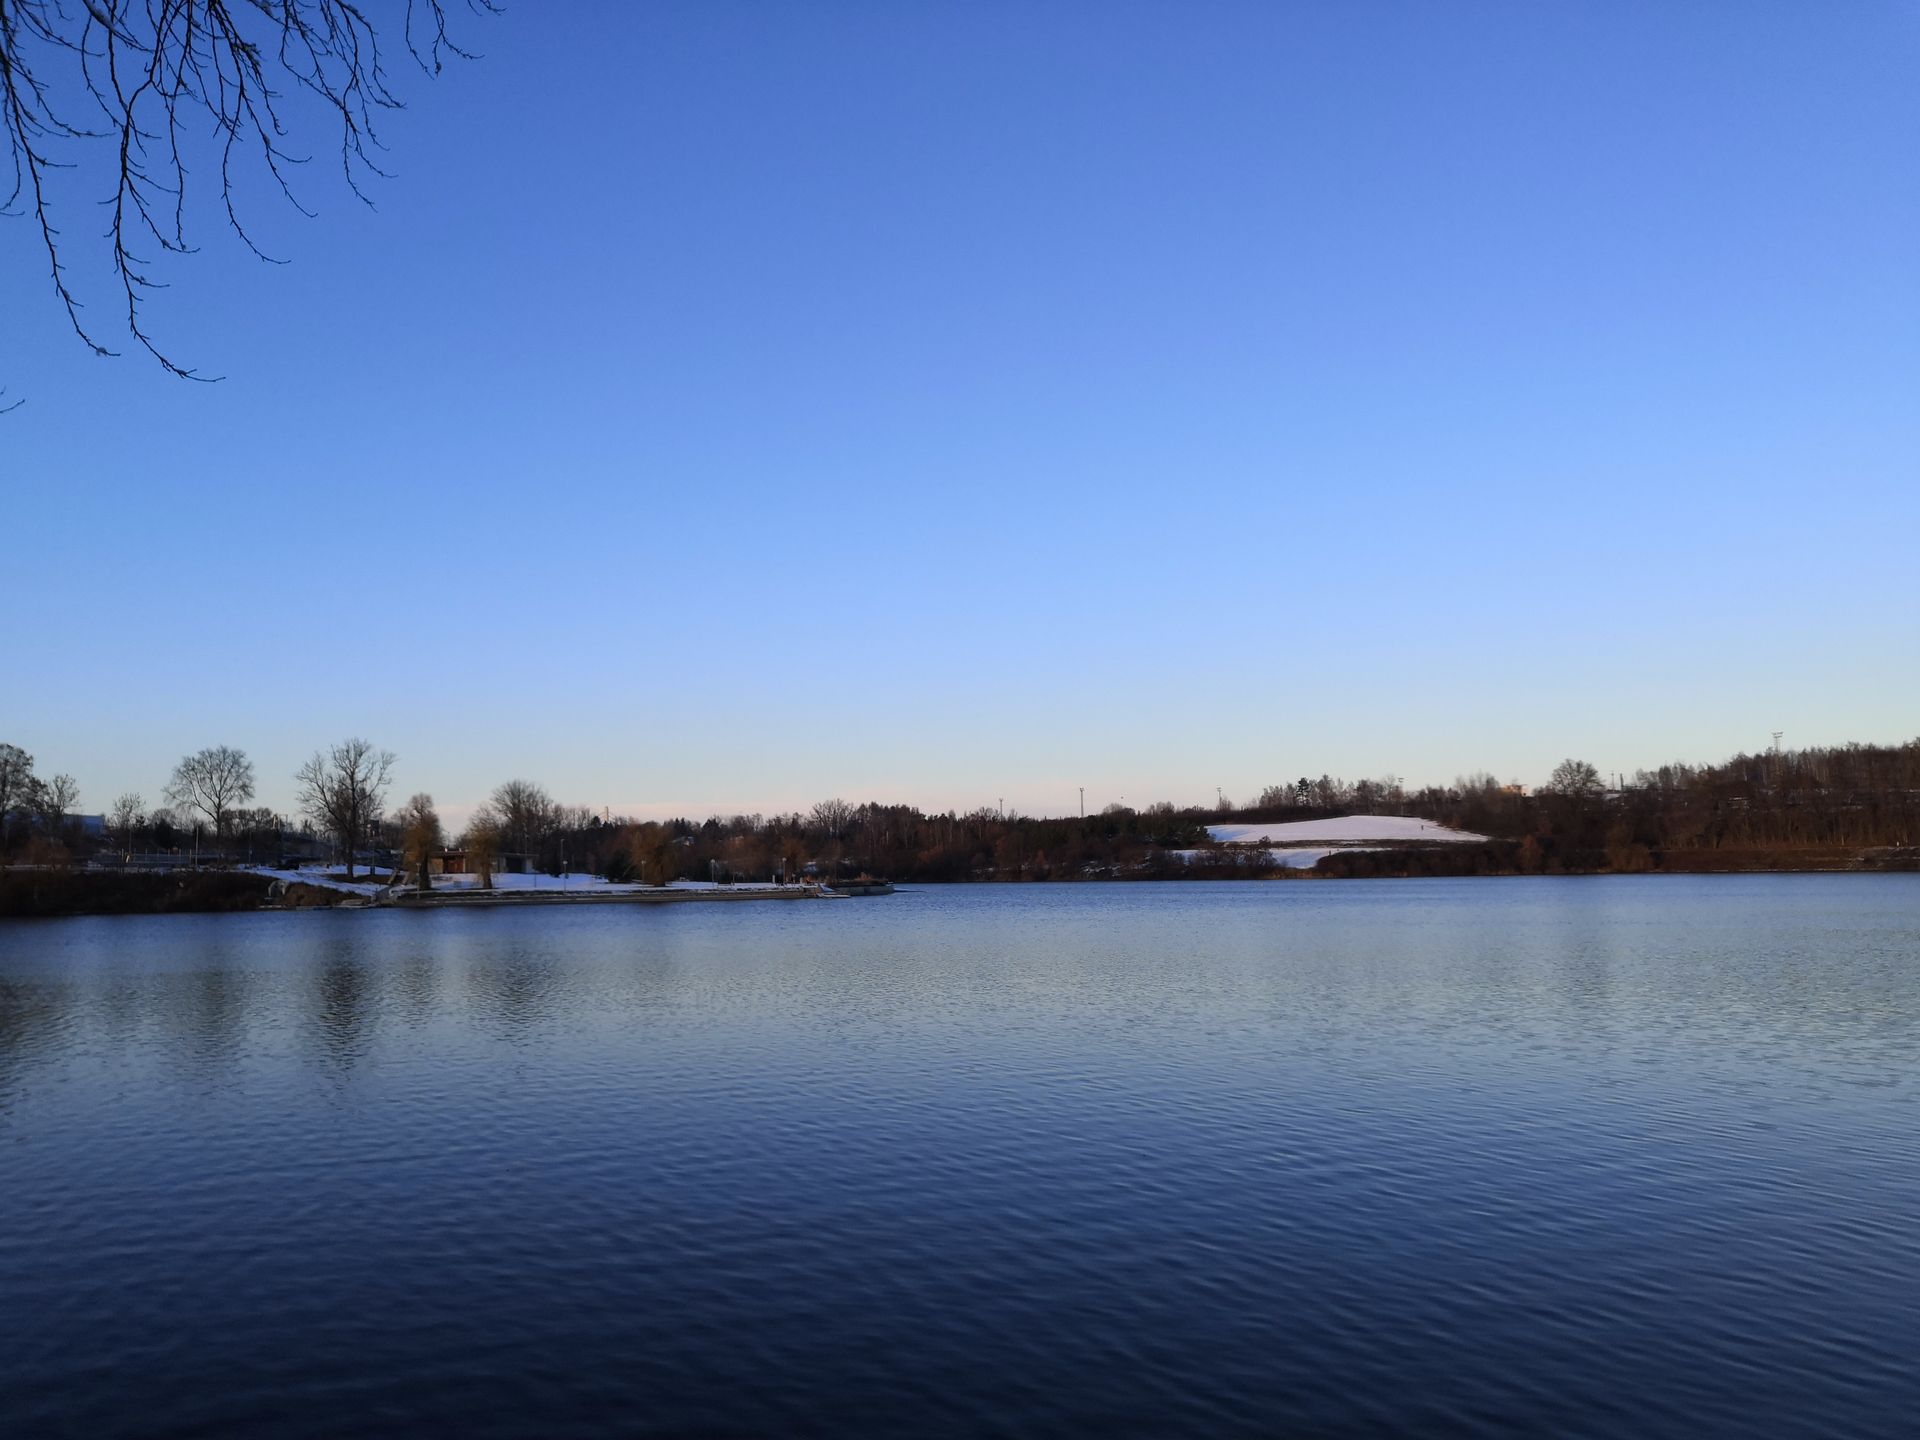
pixel 420 837
pixel 212 783
pixel 165 87
pixel 344 789
pixel 54 800
pixel 526 814
pixel 16 785
pixel 482 843
pixel 833 816
pixel 1575 778
pixel 16 777
pixel 656 854
pixel 123 819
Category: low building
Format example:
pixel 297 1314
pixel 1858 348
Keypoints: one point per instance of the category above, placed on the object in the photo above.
pixel 461 862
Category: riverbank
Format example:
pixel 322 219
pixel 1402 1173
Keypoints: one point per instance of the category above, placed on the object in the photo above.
pixel 32 893
pixel 46 893
pixel 599 895
pixel 1506 857
pixel 43 893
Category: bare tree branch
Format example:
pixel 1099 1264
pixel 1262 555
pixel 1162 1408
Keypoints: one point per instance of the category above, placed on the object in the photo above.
pixel 157 72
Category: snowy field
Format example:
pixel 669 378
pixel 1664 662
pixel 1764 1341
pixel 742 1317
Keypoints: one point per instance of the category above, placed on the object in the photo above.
pixel 1347 830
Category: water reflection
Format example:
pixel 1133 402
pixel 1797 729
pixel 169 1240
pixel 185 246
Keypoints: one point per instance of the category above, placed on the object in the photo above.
pixel 517 992
pixel 416 983
pixel 340 1013
pixel 34 1019
pixel 1255 1158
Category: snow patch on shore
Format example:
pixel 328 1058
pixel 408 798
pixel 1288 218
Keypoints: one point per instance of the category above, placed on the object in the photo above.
pixel 582 883
pixel 323 880
pixel 1346 830
pixel 1295 859
pixel 573 884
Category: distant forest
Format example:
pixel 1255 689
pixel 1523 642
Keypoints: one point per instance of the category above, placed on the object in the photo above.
pixel 1752 811
pixel 1813 808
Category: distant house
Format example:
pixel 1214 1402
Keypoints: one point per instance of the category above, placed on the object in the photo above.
pixel 460 862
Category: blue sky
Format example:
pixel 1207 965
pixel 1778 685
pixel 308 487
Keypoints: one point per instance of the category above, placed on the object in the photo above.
pixel 730 405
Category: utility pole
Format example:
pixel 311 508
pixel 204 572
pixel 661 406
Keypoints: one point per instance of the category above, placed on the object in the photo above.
pixel 1083 802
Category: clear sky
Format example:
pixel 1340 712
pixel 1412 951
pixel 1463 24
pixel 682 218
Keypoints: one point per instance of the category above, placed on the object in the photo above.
pixel 730 405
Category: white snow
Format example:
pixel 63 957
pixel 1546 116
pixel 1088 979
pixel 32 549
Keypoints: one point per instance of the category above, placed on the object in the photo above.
pixel 575 884
pixel 324 880
pixel 1288 859
pixel 582 883
pixel 1304 859
pixel 1347 829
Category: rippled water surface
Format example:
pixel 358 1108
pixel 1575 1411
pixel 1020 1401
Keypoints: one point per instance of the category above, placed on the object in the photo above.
pixel 1607 1156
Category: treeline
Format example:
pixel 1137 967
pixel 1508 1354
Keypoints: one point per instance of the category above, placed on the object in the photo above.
pixel 1749 808
pixel 1850 797
pixel 834 839
pixel 1835 801
pixel 208 815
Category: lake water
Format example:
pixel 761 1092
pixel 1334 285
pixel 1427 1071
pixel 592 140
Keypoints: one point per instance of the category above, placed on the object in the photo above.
pixel 1621 1156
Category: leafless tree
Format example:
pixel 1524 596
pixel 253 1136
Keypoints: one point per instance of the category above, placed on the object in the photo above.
pixel 656 855
pixel 526 814
pixel 123 819
pixel 16 784
pixel 1574 778
pixel 420 837
pixel 833 816
pixel 344 789
pixel 54 800
pixel 148 90
pixel 482 843
pixel 212 783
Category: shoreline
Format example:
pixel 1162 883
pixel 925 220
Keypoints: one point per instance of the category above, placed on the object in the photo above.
pixel 54 894
pixel 51 893
pixel 490 899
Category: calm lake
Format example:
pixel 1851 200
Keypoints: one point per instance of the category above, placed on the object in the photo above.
pixel 1609 1156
